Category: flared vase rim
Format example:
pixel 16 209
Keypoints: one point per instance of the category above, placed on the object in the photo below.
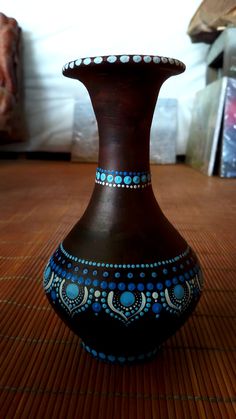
pixel 129 59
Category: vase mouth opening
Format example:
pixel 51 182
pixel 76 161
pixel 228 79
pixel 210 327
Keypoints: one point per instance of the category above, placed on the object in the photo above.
pixel 172 64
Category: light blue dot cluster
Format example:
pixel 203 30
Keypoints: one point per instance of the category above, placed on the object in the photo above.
pixel 124 59
pixel 122 179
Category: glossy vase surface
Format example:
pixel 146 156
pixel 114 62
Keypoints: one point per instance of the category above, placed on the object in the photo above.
pixel 123 279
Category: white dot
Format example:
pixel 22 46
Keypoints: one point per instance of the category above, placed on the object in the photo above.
pixel 164 60
pixel 71 65
pixel 156 60
pixel 137 58
pixel 147 59
pixel 97 294
pixel 111 59
pixel 78 62
pixel 98 60
pixel 66 66
pixel 87 61
pixel 124 58
pixel 171 61
pixel 155 295
pixel 177 62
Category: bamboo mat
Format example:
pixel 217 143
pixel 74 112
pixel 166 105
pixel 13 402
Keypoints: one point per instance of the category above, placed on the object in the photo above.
pixel 44 372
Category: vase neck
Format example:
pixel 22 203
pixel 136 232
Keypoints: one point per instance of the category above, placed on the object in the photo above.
pixel 123 91
pixel 124 106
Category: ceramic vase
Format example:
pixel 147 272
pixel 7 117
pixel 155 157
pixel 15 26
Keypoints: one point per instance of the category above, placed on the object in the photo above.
pixel 124 279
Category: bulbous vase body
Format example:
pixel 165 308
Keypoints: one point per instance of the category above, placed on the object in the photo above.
pixel 124 279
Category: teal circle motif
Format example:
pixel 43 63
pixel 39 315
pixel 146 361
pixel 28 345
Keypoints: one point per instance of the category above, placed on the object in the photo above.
pixel 127 299
pixel 72 291
pixel 118 179
pixel 127 180
pixel 179 292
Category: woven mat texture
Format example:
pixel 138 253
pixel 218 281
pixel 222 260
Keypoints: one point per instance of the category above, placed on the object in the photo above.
pixel 44 373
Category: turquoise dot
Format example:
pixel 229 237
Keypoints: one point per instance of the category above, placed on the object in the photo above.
pixel 103 177
pixel 118 179
pixel 127 180
pixel 72 291
pixel 136 179
pixel 179 292
pixel 156 308
pixel 109 178
pixel 130 275
pixel 127 299
pixel 117 275
pixel 144 178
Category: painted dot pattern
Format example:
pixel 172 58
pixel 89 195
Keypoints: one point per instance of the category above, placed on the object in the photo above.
pixel 122 179
pixel 113 359
pixel 124 59
pixel 125 292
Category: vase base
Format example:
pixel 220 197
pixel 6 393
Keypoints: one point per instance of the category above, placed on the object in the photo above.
pixel 120 359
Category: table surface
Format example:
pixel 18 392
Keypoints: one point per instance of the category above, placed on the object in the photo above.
pixel 44 373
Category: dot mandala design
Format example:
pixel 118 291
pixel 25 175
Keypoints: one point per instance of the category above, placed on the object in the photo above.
pixel 125 179
pixel 125 292
pixel 125 59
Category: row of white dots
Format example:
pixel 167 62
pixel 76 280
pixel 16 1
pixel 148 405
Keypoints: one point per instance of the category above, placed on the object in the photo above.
pixel 123 59
pixel 114 185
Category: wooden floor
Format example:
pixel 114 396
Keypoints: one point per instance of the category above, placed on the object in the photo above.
pixel 43 371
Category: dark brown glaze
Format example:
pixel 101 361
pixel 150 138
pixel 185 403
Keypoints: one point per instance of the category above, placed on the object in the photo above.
pixel 123 279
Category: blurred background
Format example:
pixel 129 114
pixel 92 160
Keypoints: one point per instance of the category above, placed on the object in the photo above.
pixel 58 117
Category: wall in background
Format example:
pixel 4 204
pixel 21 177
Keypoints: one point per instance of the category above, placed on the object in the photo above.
pixel 57 32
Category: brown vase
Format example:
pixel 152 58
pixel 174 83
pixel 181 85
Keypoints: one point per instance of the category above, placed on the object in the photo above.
pixel 123 279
